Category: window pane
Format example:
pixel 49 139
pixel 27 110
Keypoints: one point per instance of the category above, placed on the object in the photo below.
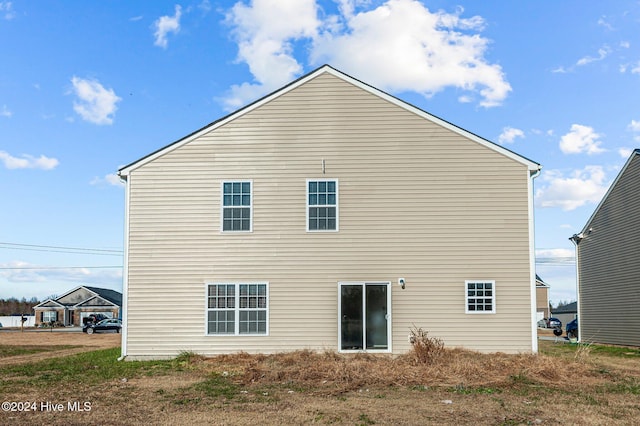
pixel 246 187
pixel 313 199
pixel 331 186
pixel 246 200
pixel 227 187
pixel 322 186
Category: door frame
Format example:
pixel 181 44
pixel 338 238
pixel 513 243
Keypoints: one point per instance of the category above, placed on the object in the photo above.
pixel 364 323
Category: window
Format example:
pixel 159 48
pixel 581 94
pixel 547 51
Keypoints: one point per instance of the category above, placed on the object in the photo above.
pixel 49 316
pixel 480 297
pixel 237 309
pixel 236 206
pixel 322 205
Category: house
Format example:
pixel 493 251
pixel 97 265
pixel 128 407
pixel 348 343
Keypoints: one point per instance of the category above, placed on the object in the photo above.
pixel 566 313
pixel 73 306
pixel 607 263
pixel 328 215
pixel 542 299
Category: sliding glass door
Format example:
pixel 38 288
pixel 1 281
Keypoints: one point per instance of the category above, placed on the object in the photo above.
pixel 364 316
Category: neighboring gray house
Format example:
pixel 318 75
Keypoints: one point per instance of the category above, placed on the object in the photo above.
pixel 566 313
pixel 328 215
pixel 608 263
pixel 73 306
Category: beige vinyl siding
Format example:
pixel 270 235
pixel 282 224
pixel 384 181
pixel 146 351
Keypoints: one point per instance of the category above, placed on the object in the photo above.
pixel 416 200
pixel 609 266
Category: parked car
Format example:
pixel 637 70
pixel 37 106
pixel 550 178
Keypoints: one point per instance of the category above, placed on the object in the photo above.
pixel 109 324
pixel 572 329
pixel 554 323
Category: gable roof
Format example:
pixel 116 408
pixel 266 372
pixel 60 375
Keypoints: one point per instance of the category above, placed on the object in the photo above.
pixel 571 308
pixel 94 301
pixel 126 170
pixel 540 282
pixel 49 303
pixel 578 237
pixel 112 296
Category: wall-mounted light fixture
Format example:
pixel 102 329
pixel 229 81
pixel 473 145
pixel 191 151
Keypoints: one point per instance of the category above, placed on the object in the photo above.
pixel 401 282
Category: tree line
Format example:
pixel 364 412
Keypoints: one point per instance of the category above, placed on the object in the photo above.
pixel 13 306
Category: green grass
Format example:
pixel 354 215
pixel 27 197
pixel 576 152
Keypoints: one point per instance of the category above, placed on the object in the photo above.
pixel 7 351
pixel 86 368
pixel 593 349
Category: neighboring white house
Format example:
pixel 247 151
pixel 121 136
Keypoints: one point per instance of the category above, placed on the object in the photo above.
pixel 328 215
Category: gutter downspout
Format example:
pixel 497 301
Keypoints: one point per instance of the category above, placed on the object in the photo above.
pixel 532 261
pixel 125 271
pixel 575 239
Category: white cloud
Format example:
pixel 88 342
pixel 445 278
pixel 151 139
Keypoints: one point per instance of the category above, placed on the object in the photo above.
pixel 581 139
pixel 634 126
pixel 602 53
pixel 56 280
pixel 165 25
pixel 636 68
pixel 555 255
pixel 28 162
pixel 570 192
pixel 403 46
pixel 110 179
pixel 5 112
pixel 264 31
pixel 625 152
pixel 509 134
pixel 6 9
pixel 398 46
pixel 604 23
pixel 95 103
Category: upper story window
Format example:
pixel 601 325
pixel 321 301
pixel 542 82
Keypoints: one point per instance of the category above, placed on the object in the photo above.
pixel 236 206
pixel 481 298
pixel 322 205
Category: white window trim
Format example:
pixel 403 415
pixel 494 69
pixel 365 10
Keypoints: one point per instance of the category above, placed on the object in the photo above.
pixel 236 309
pixel 466 297
pixel 222 206
pixel 306 204
pixel 49 314
pixel 364 324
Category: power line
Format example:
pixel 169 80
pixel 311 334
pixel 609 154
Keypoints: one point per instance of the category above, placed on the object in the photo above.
pixel 61 249
pixel 57 267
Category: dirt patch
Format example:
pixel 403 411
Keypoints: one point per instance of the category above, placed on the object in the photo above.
pixel 51 339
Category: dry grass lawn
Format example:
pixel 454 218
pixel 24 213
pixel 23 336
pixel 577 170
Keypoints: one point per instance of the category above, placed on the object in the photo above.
pixel 564 384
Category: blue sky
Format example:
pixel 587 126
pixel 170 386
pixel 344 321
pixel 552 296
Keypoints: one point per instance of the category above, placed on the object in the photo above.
pixel 89 86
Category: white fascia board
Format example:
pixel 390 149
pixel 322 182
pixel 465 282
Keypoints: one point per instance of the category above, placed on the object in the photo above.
pixel 40 305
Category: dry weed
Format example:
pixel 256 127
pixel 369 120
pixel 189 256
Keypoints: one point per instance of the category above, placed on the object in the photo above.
pixel 331 372
pixel 425 349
